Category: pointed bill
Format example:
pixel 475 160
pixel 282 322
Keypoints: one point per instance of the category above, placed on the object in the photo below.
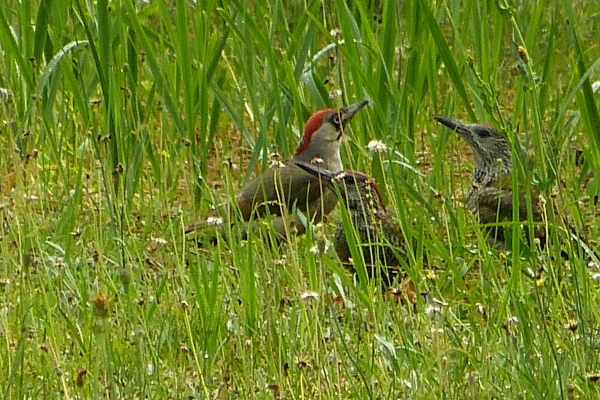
pixel 348 112
pixel 316 170
pixel 464 130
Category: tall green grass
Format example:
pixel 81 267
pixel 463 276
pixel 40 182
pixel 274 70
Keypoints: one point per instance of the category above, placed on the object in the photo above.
pixel 126 121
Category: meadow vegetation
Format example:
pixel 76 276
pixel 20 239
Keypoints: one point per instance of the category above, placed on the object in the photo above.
pixel 121 122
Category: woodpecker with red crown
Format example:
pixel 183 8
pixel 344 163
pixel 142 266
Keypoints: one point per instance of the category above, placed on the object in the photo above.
pixel 286 187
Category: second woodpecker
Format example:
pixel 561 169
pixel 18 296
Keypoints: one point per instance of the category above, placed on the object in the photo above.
pixel 490 197
pixel 380 237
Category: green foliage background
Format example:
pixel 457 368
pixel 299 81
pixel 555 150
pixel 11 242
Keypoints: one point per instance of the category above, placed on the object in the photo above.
pixel 121 122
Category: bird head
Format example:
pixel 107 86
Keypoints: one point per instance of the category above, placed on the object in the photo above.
pixel 493 157
pixel 358 190
pixel 323 135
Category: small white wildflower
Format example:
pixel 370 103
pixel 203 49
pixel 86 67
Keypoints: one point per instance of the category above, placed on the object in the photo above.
pixel 281 262
pixel 141 4
pixel 307 296
pixel 150 369
pixel 158 240
pixel 596 278
pixel 432 309
pixel 335 32
pixel 277 164
pixel 214 221
pixel 6 95
pixel 230 326
pixel 542 200
pixel 276 161
pixel 341 175
pixel 321 246
pixel 593 377
pixel 335 94
pixel 510 324
pixel 376 146
pixel 317 161
pixel 480 308
pixel 230 164
pixel 472 376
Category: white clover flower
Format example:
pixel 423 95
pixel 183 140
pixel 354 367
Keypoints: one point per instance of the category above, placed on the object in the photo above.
pixel 276 161
pixel 214 221
pixel 307 296
pixel 376 146
pixel 432 309
pixel 280 262
pixel 321 246
pixel 6 95
pixel 158 240
pixel 334 94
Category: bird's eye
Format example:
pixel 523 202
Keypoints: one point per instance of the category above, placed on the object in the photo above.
pixel 485 133
pixel 336 119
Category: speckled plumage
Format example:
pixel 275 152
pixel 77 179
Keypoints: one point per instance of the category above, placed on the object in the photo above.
pixel 490 197
pixel 380 237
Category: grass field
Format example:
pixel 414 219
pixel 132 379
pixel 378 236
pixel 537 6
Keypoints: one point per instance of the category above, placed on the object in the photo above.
pixel 121 122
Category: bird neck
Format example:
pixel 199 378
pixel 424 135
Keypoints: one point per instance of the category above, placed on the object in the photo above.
pixel 490 169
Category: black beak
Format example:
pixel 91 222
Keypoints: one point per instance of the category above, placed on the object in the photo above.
pixel 348 112
pixel 317 171
pixel 453 125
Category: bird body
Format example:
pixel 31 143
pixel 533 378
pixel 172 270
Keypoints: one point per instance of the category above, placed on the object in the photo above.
pixel 286 187
pixel 380 237
pixel 491 197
